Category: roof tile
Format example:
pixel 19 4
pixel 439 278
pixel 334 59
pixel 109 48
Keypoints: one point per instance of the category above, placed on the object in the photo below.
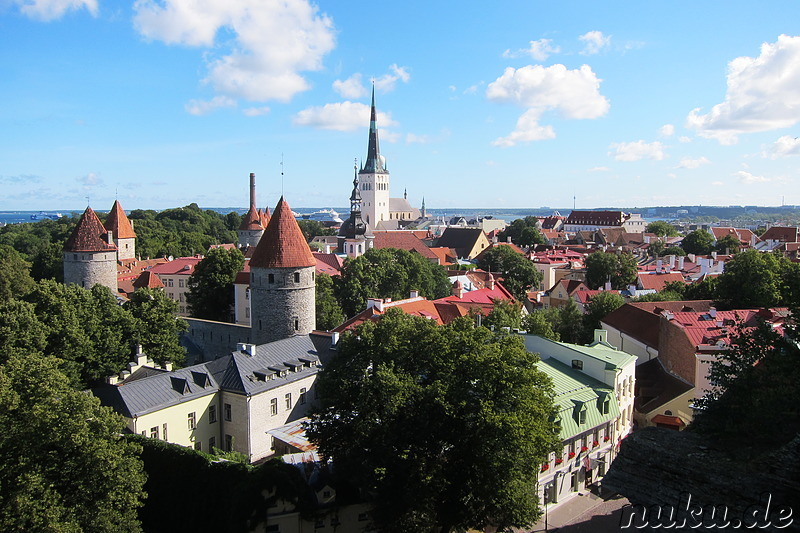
pixel 283 244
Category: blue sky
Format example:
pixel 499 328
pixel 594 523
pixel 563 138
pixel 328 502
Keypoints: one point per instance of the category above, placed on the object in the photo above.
pixel 161 103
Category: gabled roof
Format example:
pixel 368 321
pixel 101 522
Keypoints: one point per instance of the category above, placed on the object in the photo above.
pixel 655 386
pixel 657 281
pixel 330 264
pixel 403 240
pixel 782 234
pixel 641 320
pixel 149 280
pixel 283 244
pixel 596 218
pixel 462 240
pixel 181 266
pixel 252 220
pixel 117 222
pixel 583 297
pixel 89 235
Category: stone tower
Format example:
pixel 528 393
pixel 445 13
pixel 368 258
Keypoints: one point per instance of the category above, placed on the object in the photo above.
pixel 121 229
pixel 282 281
pixel 355 236
pixel 90 256
pixel 374 178
pixel 254 222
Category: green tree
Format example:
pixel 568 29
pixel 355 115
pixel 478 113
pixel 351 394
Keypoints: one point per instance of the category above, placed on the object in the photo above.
pixel 15 276
pixel 156 326
pixel 504 314
pixel 570 323
pixel 597 308
pixel 518 272
pixel 661 228
pixel 65 466
pixel 698 242
pixel 536 323
pixel 314 228
pixel 329 313
pixel 729 244
pixel 444 427
pixel 619 269
pixel 751 279
pixel 701 290
pixel 48 263
pixel 211 285
pixel 656 248
pixel 523 232
pixel 674 250
pixel 388 273
pixel 21 331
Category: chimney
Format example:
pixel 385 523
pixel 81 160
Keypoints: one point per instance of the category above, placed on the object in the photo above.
pixel 703 266
pixel 508 239
pixel 334 338
pixel 600 335
pixel 252 189
pixel 647 239
pixel 414 294
pixel 671 261
pixel 377 303
pixel 659 265
pixel 245 348
pixel 714 255
pixel 110 236
pixel 490 282
pixel 607 286
pixel 458 289
pixel 168 366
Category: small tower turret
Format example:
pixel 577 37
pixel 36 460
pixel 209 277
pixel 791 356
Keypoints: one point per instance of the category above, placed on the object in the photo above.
pixel 252 226
pixel 355 236
pixel 121 229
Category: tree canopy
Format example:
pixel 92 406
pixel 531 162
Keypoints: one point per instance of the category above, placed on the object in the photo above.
pixel 597 308
pixel 444 427
pixel 698 242
pixel 729 244
pixel 329 313
pixel 523 232
pixel 619 269
pixel 211 284
pixel 661 228
pixel 156 326
pixel 519 273
pixel 65 466
pixel 755 279
pixel 388 273
pixel 314 228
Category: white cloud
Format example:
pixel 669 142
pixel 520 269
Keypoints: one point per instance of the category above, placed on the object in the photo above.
pixel 667 130
pixel 255 111
pixel 342 116
pixel 637 150
pixel 413 138
pixel 89 181
pixel 717 183
pixel 575 94
pixel 351 87
pixel 748 178
pixel 599 169
pixel 784 147
pixel 47 10
pixel 684 139
pixel 763 94
pixel 595 42
pixel 273 41
pixel 203 107
pixel 387 82
pixel 539 50
pixel 688 162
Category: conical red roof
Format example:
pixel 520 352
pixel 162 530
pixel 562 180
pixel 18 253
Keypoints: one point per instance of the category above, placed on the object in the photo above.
pixel 117 222
pixel 251 221
pixel 283 244
pixel 264 216
pixel 89 235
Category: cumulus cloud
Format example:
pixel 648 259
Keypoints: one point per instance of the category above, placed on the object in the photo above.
pixel 688 162
pixel 637 150
pixel 595 42
pixel 784 147
pixel 47 10
pixel 684 139
pixel 667 130
pixel 387 82
pixel 574 94
pixel 539 50
pixel 351 87
pixel 273 41
pixel 255 111
pixel 599 169
pixel 763 94
pixel 748 178
pixel 89 181
pixel 203 107
pixel 342 116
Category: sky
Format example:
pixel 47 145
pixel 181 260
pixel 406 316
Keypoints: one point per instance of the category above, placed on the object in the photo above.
pixel 513 104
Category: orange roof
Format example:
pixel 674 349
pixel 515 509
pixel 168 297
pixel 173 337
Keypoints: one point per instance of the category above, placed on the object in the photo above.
pixel 89 235
pixel 264 216
pixel 403 240
pixel 446 255
pixel 658 281
pixel 283 244
pixel 251 221
pixel 148 280
pixel 118 223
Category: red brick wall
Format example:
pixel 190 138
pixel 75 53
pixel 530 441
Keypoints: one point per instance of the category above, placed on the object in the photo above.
pixel 676 352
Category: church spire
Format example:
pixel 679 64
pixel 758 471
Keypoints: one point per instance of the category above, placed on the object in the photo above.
pixel 374 163
pixel 355 197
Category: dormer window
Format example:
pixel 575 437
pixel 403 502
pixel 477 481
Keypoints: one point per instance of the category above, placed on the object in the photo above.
pixel 577 364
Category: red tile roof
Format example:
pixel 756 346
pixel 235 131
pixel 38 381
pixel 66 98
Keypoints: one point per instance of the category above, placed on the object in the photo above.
pixel 148 280
pixel 117 222
pixel 180 266
pixel 596 218
pixel 265 216
pixel 330 264
pixel 283 244
pixel 641 320
pixel 252 220
pixel 583 297
pixel 781 233
pixel 89 235
pixel 403 240
pixel 658 281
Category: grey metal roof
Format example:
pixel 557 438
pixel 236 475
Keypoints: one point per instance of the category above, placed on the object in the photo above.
pixel 236 373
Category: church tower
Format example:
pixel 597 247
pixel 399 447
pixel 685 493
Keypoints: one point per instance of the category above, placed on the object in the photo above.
pixel 355 236
pixel 121 229
pixel 374 178
pixel 282 281
pixel 90 256
pixel 253 222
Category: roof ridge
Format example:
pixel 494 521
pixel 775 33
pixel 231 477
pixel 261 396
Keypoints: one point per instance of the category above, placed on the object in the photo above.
pixel 283 244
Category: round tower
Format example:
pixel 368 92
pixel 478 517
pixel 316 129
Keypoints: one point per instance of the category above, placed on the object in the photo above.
pixel 282 281
pixel 90 256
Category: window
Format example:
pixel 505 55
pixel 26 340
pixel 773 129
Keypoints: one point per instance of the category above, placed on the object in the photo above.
pixel 169 282
pixel 154 432
pixel 228 443
pixel 144 433
pixel 212 414
pixel 247 293
pixel 192 420
pixel 604 406
pixel 198 446
pixel 297 277
pixel 273 406
pixel 164 430
pixel 212 442
pixel 180 283
pixel 302 399
pixel 271 278
pixel 296 324
pixel 577 364
pixel 228 412
pixel 247 312
pixel 288 398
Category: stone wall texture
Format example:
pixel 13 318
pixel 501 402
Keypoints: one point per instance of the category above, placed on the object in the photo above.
pixel 284 307
pixel 88 269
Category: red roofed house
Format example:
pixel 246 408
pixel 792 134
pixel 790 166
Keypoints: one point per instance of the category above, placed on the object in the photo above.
pixel 121 231
pixel 746 237
pixel 562 291
pixel 175 277
pixel 404 240
pixel 282 280
pixel 657 280
pixel 90 255
pixel 594 220
pixel 778 235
